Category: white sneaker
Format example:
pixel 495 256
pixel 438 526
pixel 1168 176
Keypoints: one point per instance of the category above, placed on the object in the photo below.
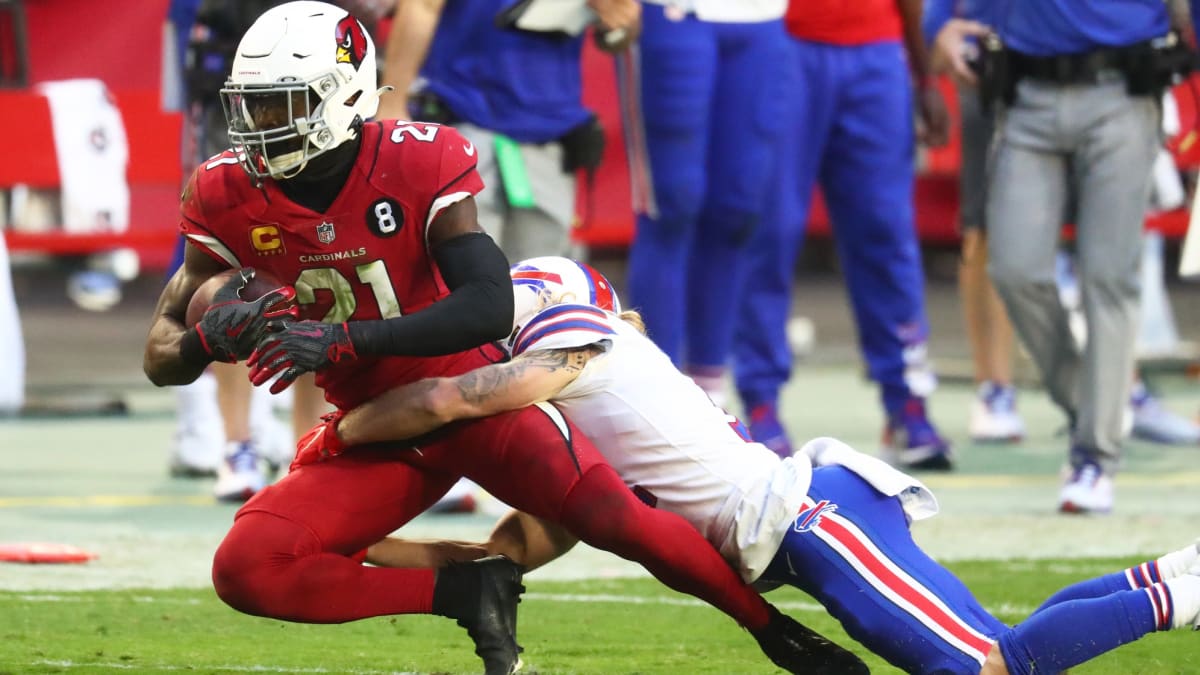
pixel 196 452
pixel 1087 489
pixel 994 417
pixel 239 476
pixel 1155 423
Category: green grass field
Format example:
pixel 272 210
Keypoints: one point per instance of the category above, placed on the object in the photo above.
pixel 602 627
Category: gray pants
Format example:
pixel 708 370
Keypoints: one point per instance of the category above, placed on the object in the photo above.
pixel 525 232
pixel 1096 142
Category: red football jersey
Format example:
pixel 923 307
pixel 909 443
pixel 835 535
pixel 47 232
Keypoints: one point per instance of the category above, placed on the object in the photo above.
pixel 844 23
pixel 366 257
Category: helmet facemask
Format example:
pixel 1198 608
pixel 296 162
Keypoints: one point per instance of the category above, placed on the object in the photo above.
pixel 277 129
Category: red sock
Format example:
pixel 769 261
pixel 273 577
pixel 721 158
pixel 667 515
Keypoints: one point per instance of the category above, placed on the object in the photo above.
pixel 604 513
pixel 270 566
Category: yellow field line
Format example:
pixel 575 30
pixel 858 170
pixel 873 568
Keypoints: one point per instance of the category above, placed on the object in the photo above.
pixel 1175 478
pixel 85 501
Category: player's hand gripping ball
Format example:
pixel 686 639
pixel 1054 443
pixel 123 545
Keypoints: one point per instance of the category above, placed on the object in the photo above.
pixel 292 348
pixel 231 309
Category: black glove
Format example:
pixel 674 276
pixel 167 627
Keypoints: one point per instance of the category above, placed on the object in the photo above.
pixel 298 347
pixel 231 327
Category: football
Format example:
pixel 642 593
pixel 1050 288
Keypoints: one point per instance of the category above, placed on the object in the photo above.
pixel 261 284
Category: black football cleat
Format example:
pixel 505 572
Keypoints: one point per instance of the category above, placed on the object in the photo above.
pixel 482 595
pixel 798 649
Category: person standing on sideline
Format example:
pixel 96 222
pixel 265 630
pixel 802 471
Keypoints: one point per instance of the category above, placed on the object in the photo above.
pixel 711 82
pixel 861 70
pixel 953 46
pixel 516 96
pixel 993 415
pixel 1080 92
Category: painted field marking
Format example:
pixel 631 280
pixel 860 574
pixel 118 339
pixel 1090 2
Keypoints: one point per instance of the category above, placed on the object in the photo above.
pixel 67 665
pixel 614 598
pixel 91 501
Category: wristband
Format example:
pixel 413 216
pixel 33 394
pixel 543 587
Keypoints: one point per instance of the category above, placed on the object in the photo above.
pixel 192 349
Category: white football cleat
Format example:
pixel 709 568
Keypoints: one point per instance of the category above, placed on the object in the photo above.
pixel 1087 490
pixel 239 476
pixel 1153 422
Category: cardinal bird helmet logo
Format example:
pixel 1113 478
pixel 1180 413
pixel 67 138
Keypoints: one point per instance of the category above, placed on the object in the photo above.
pixel 351 42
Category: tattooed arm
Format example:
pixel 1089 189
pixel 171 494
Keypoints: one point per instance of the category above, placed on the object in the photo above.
pixel 423 406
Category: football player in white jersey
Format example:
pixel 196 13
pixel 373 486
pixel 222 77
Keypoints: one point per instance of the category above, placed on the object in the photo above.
pixel 839 532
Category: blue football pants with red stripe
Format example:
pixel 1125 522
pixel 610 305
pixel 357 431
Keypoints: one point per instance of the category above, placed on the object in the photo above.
pixel 851 549
pixel 849 127
pixel 856 557
pixel 711 96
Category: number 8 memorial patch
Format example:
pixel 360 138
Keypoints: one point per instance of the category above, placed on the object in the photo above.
pixel 385 217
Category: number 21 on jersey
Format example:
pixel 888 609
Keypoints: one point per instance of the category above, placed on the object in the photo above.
pixel 373 274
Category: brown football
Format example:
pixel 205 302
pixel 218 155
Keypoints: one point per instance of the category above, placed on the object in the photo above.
pixel 260 285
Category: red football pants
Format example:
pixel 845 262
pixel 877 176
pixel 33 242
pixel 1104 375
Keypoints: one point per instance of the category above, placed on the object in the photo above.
pixel 287 554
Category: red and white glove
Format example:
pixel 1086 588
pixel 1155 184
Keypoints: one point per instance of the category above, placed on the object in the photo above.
pixel 320 443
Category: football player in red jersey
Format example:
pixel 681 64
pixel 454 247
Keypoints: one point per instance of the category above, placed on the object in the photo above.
pixel 374 225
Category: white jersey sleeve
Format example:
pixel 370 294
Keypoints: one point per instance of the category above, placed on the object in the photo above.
pixel 563 327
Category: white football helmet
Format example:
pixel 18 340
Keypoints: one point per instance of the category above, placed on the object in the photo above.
pixel 302 83
pixel 548 280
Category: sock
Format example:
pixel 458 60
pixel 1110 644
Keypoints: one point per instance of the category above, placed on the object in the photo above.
pixel 1072 632
pixel 1141 576
pixel 604 513
pixel 270 566
pixel 1169 566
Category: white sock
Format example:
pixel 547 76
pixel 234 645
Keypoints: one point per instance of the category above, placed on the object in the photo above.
pixel 1185 600
pixel 1177 563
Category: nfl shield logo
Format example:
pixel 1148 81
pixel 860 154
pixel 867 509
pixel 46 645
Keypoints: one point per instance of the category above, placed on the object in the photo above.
pixel 325 233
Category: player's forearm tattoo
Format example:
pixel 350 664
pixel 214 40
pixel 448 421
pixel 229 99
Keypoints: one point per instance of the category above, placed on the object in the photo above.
pixel 478 385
